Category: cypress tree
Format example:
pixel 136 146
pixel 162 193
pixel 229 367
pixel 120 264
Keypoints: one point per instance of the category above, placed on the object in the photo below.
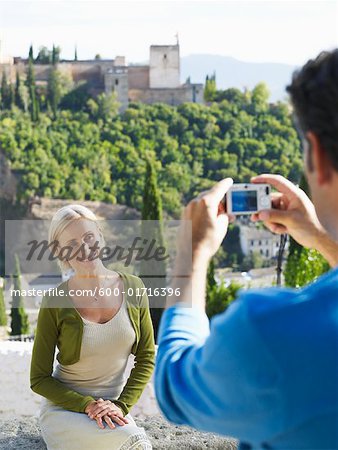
pixel 30 54
pixel 211 282
pixel 30 83
pixel 75 54
pixel 19 318
pixel 210 88
pixel 18 100
pixel 294 246
pixel 54 55
pixel 3 317
pixel 6 92
pixel 3 90
pixel 152 203
pixel 154 271
pixel 11 96
pixel 53 88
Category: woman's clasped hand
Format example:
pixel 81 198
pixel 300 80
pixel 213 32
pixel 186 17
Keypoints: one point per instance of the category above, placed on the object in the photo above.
pixel 106 410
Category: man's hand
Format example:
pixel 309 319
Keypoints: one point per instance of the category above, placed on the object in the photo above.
pixel 292 211
pixel 209 225
pixel 107 410
pixel 209 221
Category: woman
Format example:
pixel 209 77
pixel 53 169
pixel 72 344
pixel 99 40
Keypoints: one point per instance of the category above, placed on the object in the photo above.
pixel 103 318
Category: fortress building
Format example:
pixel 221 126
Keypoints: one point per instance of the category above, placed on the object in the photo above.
pixel 157 82
pixel 160 80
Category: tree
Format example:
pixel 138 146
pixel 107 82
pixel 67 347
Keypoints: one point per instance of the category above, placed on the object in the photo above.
pixel 152 204
pixel 11 95
pixel 252 261
pixel 75 54
pixel 105 106
pixel 259 98
pixel 234 96
pixel 54 87
pixel 232 247
pixel 303 267
pixel 3 90
pixel 154 272
pixel 55 55
pixel 30 83
pixel 31 53
pixel 44 56
pixel 210 88
pixel 6 92
pixel 19 322
pixel 211 282
pixel 220 297
pixel 76 99
pixel 18 96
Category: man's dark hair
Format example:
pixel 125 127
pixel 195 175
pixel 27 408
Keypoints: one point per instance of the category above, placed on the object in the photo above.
pixel 314 95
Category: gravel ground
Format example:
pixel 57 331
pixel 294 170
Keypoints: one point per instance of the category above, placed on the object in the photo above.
pixel 24 433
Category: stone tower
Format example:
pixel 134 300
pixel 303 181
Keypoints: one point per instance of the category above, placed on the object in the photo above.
pixel 164 67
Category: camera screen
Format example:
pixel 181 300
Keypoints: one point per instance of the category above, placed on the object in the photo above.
pixel 243 201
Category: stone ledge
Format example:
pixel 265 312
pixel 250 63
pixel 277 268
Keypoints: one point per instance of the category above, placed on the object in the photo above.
pixel 24 433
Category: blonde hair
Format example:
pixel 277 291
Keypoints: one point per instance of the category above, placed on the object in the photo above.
pixel 63 217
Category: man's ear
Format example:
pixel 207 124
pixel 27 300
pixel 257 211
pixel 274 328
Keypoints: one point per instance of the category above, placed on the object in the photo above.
pixel 318 159
pixel 308 157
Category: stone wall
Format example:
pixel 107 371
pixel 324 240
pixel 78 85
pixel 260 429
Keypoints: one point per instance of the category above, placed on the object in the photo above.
pixel 186 93
pixel 138 77
pixel 19 405
pixel 24 433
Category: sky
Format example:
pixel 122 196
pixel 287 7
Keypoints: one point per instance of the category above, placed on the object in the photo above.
pixel 284 31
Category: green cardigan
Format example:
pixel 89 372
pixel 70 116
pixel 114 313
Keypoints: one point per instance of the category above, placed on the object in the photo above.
pixel 63 327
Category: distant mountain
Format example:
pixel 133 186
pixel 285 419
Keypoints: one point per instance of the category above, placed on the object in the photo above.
pixel 231 72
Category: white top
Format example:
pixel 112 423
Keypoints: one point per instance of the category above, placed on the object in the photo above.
pixel 104 355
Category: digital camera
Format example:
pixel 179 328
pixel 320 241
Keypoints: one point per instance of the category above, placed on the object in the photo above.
pixel 248 198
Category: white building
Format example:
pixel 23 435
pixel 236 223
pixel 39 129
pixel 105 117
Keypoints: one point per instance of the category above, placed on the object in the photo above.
pixel 262 241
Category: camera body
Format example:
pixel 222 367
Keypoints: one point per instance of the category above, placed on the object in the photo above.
pixel 247 198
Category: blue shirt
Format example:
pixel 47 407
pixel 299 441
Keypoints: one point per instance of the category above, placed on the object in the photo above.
pixel 265 371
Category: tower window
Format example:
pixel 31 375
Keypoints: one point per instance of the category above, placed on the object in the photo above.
pixel 165 56
pixel 116 82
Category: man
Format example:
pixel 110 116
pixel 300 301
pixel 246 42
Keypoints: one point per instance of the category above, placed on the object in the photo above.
pixel 266 370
